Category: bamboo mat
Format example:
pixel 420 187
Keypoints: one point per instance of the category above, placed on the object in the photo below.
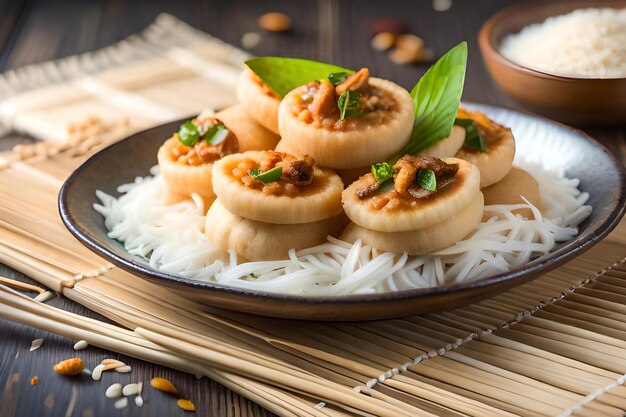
pixel 553 347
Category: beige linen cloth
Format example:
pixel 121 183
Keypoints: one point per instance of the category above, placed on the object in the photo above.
pixel 167 72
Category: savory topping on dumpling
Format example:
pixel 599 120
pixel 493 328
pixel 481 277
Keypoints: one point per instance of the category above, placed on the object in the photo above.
pixel 488 145
pixel 416 177
pixel 417 192
pixel 276 173
pixel 349 120
pixel 481 131
pixel 418 205
pixel 276 187
pixel 202 140
pixel 186 159
pixel 342 96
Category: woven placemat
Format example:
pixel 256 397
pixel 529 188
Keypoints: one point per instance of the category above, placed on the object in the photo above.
pixel 555 346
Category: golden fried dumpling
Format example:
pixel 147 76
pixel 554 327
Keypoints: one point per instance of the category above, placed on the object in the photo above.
pixel 186 159
pixel 259 241
pixel 275 187
pixel 510 190
pixel 430 204
pixel 497 160
pixel 356 123
pixel 419 242
pixel 403 205
pixel 446 147
pixel 251 135
pixel 259 100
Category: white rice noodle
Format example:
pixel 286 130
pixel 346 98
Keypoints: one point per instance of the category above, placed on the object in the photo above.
pixel 172 238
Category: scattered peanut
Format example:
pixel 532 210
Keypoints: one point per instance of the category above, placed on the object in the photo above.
pixel 186 405
pixel 442 5
pixel 114 391
pixel 34 380
pixel 250 40
pixel 96 374
pixel 123 369
pixel 132 389
pixel 410 43
pixel 72 366
pixel 163 384
pixel 383 41
pixel 121 403
pixel 112 362
pixel 410 49
pixel 275 22
pixel 80 345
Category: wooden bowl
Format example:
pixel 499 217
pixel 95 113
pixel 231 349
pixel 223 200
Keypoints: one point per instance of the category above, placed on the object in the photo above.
pixel 578 101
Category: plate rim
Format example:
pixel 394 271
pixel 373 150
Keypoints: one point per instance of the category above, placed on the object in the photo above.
pixel 529 270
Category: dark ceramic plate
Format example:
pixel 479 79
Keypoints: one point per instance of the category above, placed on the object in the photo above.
pixel 580 156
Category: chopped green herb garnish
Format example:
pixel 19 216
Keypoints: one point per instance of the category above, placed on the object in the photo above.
pixel 271 175
pixel 337 78
pixel 383 171
pixel 426 179
pixel 216 135
pixel 188 134
pixel 436 98
pixel 473 138
pixel 348 103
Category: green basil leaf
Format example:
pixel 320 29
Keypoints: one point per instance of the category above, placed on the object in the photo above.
pixel 383 171
pixel 337 78
pixel 216 135
pixel 188 134
pixel 436 98
pixel 473 138
pixel 348 103
pixel 284 74
pixel 427 180
pixel 271 175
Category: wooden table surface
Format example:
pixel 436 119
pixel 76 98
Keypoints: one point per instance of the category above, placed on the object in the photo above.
pixel 329 30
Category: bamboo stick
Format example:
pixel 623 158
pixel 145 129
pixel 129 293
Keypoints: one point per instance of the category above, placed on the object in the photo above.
pixel 72 326
pixel 499 403
pixel 338 393
pixel 49 276
pixel 616 344
pixel 126 345
pixel 561 373
pixel 19 285
pixel 441 396
pixel 52 255
pixel 547 354
pixel 490 387
pixel 199 331
pixel 200 343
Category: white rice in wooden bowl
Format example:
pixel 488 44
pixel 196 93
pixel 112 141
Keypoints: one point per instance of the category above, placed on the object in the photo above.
pixel 586 43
